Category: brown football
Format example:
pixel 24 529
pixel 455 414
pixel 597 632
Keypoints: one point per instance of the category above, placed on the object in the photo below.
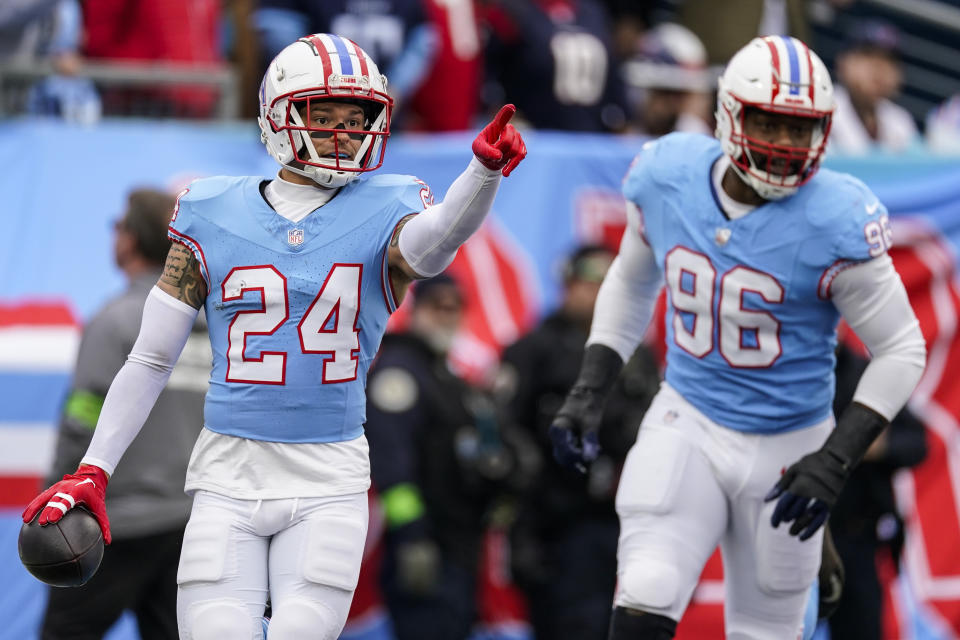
pixel 63 554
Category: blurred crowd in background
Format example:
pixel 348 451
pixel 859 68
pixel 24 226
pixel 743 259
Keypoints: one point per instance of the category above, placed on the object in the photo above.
pixel 642 66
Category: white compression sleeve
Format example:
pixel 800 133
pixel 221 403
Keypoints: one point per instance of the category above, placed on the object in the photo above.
pixel 164 331
pixel 628 294
pixel 429 242
pixel 873 301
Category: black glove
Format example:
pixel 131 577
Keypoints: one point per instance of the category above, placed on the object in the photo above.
pixel 574 428
pixel 808 489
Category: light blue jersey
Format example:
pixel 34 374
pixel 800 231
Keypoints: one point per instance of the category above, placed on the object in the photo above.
pixel 751 330
pixel 296 311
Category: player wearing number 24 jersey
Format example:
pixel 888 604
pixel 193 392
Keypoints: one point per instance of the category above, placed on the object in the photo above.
pixel 760 255
pixel 300 307
pixel 298 276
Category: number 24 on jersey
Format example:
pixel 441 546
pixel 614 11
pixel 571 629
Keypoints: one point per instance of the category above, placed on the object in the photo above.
pixel 328 328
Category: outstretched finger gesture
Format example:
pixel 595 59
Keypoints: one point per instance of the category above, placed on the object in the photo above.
pixel 498 145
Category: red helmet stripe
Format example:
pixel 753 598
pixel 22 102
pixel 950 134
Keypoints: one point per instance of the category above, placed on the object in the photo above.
pixel 775 56
pixel 321 50
pixel 809 76
pixel 362 58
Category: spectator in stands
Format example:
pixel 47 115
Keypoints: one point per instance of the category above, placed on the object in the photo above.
pixel 175 32
pixel 667 82
pixel 33 31
pixel 726 25
pixel 630 19
pixel 869 76
pixel 147 505
pixel 867 528
pixel 396 33
pixel 437 461
pixel 564 542
pixel 554 59
pixel 451 100
pixel 943 126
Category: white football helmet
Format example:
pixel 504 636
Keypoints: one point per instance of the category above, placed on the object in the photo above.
pixel 779 75
pixel 320 67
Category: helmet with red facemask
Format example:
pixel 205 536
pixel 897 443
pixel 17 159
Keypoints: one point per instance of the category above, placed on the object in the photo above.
pixel 319 68
pixel 778 75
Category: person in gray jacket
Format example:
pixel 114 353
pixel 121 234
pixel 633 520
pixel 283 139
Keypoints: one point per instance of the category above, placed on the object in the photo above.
pixel 147 504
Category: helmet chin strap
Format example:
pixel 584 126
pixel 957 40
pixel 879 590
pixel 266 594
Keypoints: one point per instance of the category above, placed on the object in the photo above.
pixel 762 183
pixel 770 191
pixel 763 189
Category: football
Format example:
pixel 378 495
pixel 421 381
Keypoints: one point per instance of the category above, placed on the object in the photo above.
pixel 63 554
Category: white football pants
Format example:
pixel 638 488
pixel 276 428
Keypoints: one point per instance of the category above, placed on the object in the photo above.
pixel 304 552
pixel 689 484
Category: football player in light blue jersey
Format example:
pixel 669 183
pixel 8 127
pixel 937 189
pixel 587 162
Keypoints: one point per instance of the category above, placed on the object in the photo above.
pixel 298 276
pixel 760 255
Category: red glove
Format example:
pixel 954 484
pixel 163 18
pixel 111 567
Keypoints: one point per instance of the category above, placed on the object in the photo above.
pixel 86 486
pixel 499 146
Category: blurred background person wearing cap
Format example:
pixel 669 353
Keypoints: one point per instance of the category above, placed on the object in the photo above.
pixel 668 85
pixel 147 504
pixel 438 463
pixel 869 76
pixel 564 541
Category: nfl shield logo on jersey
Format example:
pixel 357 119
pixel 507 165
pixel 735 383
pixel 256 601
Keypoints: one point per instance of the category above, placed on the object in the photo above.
pixel 295 237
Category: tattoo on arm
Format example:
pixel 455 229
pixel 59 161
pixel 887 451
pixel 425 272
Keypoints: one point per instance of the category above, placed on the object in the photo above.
pixel 400 273
pixel 182 273
pixel 395 240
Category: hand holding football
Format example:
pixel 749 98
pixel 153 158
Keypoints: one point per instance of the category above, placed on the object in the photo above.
pixel 65 553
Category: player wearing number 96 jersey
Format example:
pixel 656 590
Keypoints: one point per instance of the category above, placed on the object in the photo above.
pixel 760 254
pixel 298 275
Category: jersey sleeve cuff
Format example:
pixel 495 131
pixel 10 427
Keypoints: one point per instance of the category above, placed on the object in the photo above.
pixel 168 300
pixel 98 462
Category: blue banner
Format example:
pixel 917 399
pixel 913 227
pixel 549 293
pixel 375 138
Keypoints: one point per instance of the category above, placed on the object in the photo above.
pixel 64 186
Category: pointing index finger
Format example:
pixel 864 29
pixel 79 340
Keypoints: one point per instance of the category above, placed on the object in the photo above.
pixel 503 117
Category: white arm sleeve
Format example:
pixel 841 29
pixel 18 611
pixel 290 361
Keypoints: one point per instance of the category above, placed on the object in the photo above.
pixel 164 331
pixel 429 242
pixel 873 301
pixel 628 294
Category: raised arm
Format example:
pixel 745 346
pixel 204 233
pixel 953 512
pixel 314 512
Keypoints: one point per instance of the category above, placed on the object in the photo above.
pixel 425 244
